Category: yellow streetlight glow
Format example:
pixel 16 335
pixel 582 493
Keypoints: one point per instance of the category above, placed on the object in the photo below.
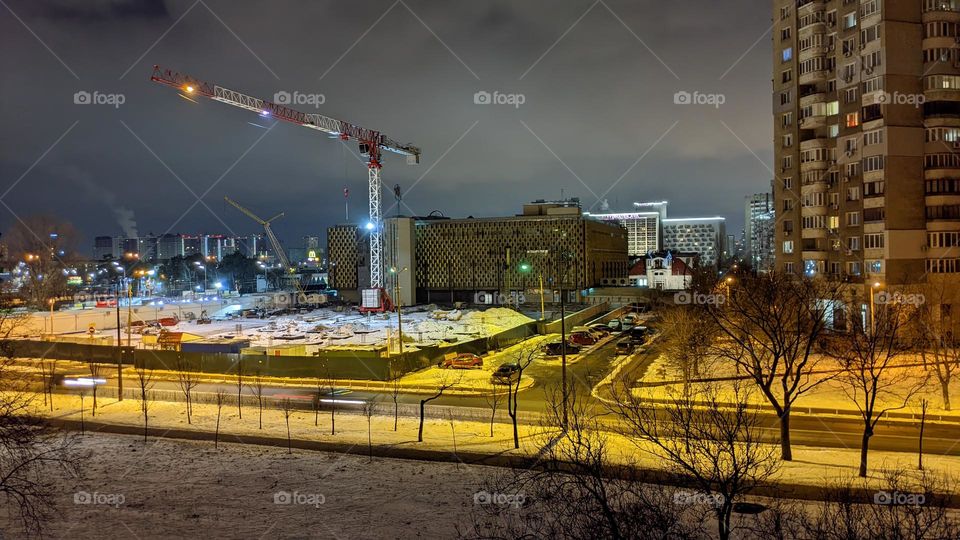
pixel 189 89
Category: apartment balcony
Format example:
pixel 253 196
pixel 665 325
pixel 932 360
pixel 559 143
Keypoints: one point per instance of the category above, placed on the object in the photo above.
pixel 814 255
pixel 812 77
pixel 941 10
pixel 814 233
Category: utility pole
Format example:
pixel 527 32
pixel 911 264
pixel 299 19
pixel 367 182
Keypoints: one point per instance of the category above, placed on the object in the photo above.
pixel 119 350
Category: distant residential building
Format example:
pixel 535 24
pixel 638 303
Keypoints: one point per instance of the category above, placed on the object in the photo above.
pixel 705 236
pixel 759 233
pixel 107 247
pixel 643 226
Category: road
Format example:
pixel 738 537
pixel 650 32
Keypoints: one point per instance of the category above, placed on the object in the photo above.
pixel 825 431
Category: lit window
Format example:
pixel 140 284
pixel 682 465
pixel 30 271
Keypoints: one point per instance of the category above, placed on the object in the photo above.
pixel 853 119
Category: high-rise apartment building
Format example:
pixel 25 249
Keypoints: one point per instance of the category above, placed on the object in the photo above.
pixel 866 98
pixel 759 222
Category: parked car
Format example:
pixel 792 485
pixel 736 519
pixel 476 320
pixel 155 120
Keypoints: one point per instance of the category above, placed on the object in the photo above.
pixel 615 325
pixel 601 329
pixel 462 361
pixel 631 318
pixel 626 346
pixel 554 349
pixel 506 373
pixel 582 338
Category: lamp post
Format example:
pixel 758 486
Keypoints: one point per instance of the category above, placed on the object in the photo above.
pixel 399 302
pixel 873 321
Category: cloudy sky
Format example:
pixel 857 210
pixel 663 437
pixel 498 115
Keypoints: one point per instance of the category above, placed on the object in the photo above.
pixel 598 119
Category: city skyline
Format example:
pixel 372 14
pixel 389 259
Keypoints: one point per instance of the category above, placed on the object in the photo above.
pixel 173 151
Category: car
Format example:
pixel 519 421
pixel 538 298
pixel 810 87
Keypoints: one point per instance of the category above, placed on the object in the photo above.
pixel 462 361
pixel 601 329
pixel 506 373
pixel 582 339
pixel 626 346
pixel 615 325
pixel 554 349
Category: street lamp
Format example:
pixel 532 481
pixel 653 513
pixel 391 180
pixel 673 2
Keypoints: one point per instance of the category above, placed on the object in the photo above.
pixel 873 321
pixel 399 302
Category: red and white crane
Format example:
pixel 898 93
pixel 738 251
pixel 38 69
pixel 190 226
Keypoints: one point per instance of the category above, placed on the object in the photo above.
pixel 371 143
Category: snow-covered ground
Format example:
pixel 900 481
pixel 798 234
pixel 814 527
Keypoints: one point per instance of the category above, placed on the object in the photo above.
pixel 183 489
pixel 327 328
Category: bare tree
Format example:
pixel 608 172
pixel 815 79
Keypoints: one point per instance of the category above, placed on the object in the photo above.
pixel 493 399
pixel 145 385
pixel 938 343
pixel 330 387
pixel 240 387
pixel 707 443
pixel 220 396
pixel 688 336
pixel 769 327
pixel 286 406
pixel 48 369
pixel 903 508
pixel 33 456
pixel 445 383
pixel 257 389
pixel 524 357
pixel 187 379
pixel 44 245
pixel 871 376
pixel 96 371
pixel 369 410
pixel 924 404
pixel 395 395
pixel 577 490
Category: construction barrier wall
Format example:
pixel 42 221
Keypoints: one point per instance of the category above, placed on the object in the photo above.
pixel 337 364
pixel 576 318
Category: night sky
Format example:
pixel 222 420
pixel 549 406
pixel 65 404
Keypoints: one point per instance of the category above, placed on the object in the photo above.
pixel 598 119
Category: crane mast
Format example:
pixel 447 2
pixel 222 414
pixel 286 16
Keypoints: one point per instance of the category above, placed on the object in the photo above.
pixel 267 229
pixel 371 143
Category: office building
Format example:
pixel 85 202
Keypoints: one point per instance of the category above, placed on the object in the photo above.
pixel 643 225
pixel 705 236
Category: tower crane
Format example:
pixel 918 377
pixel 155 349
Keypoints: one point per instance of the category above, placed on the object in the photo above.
pixel 371 144
pixel 267 230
